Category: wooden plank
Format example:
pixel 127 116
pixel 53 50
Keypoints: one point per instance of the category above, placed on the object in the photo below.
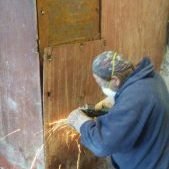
pixel 20 96
pixel 68 84
pixel 136 28
pixel 65 21
pixel 133 28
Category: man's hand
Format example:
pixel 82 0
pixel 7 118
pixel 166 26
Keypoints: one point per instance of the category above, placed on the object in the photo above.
pixel 108 102
pixel 76 118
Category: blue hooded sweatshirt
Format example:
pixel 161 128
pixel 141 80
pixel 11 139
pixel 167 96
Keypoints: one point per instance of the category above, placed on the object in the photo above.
pixel 135 132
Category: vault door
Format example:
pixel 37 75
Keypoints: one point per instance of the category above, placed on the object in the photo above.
pixel 69 32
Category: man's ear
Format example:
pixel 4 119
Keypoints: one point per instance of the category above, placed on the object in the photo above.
pixel 115 81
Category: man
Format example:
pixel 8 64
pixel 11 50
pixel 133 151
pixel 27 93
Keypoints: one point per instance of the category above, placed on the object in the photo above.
pixel 135 131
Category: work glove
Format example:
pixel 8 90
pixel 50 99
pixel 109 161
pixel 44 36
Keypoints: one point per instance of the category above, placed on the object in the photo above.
pixel 108 102
pixel 77 118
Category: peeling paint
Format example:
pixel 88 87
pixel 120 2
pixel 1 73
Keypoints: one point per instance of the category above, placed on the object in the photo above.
pixel 16 157
pixel 12 104
pixel 13 155
pixel 20 98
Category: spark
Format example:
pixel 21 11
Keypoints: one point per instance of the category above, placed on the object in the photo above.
pixel 60 166
pixel 9 134
pixel 79 154
pixel 59 122
pixel 49 131
pixel 67 138
pixel 60 128
pixel 58 125
pixel 36 133
pixel 73 135
pixel 36 156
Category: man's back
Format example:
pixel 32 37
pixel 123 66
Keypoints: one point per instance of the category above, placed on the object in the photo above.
pixel 151 148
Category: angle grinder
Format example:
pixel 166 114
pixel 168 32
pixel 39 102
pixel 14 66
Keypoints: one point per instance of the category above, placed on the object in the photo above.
pixel 90 111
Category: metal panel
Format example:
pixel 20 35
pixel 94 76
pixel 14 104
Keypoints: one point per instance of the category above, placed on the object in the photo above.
pixel 64 21
pixel 136 28
pixel 20 97
pixel 68 84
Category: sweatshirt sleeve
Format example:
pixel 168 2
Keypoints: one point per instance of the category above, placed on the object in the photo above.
pixel 118 130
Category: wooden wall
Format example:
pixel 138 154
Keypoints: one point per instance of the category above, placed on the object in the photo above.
pixel 21 133
pixel 136 28
pixel 65 22
pixel 68 84
pixel 132 28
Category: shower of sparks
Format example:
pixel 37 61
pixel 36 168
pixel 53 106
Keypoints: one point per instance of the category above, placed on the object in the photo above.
pixel 9 134
pixel 36 156
pixel 60 125
pixel 70 134
pixel 57 125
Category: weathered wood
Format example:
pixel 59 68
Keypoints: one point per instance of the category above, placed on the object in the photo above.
pixel 65 21
pixel 132 28
pixel 68 84
pixel 20 98
pixel 136 28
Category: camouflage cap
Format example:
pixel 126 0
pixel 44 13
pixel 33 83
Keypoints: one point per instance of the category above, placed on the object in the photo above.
pixel 108 64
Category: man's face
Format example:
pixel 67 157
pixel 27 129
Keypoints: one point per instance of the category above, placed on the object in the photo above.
pixel 112 84
pixel 101 82
pixel 105 86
